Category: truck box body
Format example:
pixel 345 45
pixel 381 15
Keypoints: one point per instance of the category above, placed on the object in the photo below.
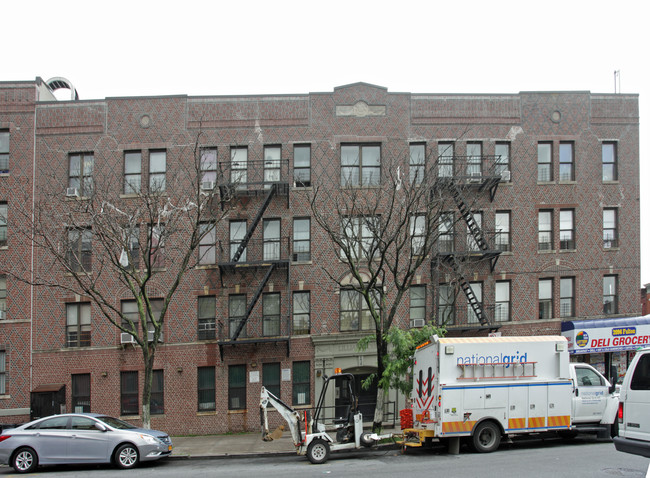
pixel 523 383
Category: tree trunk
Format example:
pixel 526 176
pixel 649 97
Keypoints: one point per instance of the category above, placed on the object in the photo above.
pixel 148 353
pixel 382 348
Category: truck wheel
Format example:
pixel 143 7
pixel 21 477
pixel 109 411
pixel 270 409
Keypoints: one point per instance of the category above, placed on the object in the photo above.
pixel 25 460
pixel 318 451
pixel 613 428
pixel 366 441
pixel 486 437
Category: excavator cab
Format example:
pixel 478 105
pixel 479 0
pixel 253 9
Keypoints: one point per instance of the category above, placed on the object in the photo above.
pixel 346 406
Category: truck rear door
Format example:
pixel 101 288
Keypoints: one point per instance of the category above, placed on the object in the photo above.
pixel 636 404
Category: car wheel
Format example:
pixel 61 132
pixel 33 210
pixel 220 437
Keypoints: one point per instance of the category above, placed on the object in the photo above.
pixel 126 456
pixel 318 451
pixel 486 437
pixel 25 460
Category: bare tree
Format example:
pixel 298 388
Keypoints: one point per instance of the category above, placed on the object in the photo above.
pixel 385 230
pixel 105 232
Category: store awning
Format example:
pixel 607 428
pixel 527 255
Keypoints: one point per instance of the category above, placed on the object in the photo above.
pixel 607 335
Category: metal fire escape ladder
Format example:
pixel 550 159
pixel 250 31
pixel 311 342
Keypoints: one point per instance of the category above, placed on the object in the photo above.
pixel 256 221
pixel 474 303
pixel 250 307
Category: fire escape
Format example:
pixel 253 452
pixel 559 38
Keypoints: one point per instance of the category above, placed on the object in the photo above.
pixel 255 186
pixel 463 180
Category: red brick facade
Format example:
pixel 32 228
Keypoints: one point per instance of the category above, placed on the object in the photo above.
pixel 43 133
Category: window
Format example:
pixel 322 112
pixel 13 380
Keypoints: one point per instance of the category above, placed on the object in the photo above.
pixel 157 252
pixel 132 172
pixel 610 294
pixel 545 292
pixel 446 232
pixel 545 231
pixel 567 230
pixel 271 314
pixel 416 163
pixel 502 161
pixel 272 157
pixel 302 165
pixel 4 151
pixel 301 383
pixel 132 256
pixel 3 296
pixel 205 389
pixel 301 239
pixel 474 155
pixel 157 170
pixel 610 228
pixel 208 168
pixel 301 312
pixel 237 234
pixel 129 393
pixel 502 226
pixel 360 165
pixel 271 231
pixel 418 307
pixel 355 313
pixel 131 314
pixel 544 162
pixel 236 314
pixel 81 173
pixel 239 167
pixel 157 393
pixel 360 237
pixel 81 393
pixel 567 297
pixel 207 317
pixel 237 387
pixel 610 162
pixel 78 325
pixel 445 160
pixel 3 224
pixel 80 250
pixel 472 243
pixel 567 167
pixel 477 288
pixel 418 234
pixel 446 305
pixel 639 379
pixel 502 301
pixel 271 377
pixel 207 244
pixel 586 377
pixel 3 372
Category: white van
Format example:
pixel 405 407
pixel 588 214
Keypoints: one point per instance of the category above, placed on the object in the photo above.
pixel 634 407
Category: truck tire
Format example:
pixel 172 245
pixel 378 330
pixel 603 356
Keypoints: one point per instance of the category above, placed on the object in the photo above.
pixel 318 451
pixel 366 441
pixel 486 437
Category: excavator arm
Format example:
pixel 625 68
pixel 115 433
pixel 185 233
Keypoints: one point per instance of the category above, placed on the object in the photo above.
pixel 291 416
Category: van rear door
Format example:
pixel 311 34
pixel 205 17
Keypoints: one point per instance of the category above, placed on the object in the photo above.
pixel 636 406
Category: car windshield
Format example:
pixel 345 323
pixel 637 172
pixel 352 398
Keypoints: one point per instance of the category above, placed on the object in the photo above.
pixel 116 423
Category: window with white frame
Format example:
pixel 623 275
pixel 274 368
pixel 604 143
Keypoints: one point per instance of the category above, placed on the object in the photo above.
pixel 567 297
pixel 272 161
pixel 302 165
pixel 610 227
pixel 545 294
pixel 360 165
pixel 239 167
pixel 445 160
pixel 502 161
pixel 544 162
pixel 502 301
pixel 157 170
pixel 567 229
pixel 416 163
pixel 610 161
pixel 545 230
pixel 132 172
pixel 610 294
pixel 567 166
pixel 301 312
pixel 80 175
pixel 78 325
pixel 271 232
pixel 502 227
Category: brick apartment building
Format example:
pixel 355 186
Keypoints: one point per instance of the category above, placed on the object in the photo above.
pixel 553 179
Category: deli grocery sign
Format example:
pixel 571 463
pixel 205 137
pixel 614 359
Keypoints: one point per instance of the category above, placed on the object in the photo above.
pixel 607 335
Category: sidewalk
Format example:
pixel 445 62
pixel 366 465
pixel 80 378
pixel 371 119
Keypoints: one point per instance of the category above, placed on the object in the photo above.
pixel 235 445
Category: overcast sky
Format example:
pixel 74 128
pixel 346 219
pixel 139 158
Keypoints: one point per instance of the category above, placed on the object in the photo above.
pixel 137 47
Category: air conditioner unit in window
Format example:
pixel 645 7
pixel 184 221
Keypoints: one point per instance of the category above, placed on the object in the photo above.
pixel 72 192
pixel 126 338
pixel 207 185
pixel 150 336
pixel 417 323
pixel 505 176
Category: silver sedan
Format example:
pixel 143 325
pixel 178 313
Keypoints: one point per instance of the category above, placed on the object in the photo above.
pixel 80 438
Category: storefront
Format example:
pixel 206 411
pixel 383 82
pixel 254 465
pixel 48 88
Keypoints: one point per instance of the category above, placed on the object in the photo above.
pixel 606 342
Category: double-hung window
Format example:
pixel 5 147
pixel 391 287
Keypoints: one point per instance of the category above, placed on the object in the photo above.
pixel 302 165
pixel 239 167
pixel 360 165
pixel 355 313
pixel 157 171
pixel 207 244
pixel 545 294
pixel 446 305
pixel 236 314
pixel 4 152
pixel 272 162
pixel 79 252
pixel 477 289
pixel 81 173
pixel 446 232
pixel 502 301
pixel 502 226
pixel 544 162
pixel 301 312
pixel 271 232
pixel 567 229
pixel 271 377
pixel 474 155
pixel 418 234
pixel 445 160
pixel 301 383
pixel 158 393
pixel 545 230
pixel 610 161
pixel 271 314
pixel 418 305
pixel 610 294
pixel 3 296
pixel 3 372
pixel 502 161
pixel 3 224
pixel 567 166
pixel 81 393
pixel 208 168
pixel 205 389
pixel 207 313
pixel 237 234
pixel 416 163
pixel 78 325
pixel 236 387
pixel 132 172
pixel 360 235
pixel 610 227
pixel 301 239
pixel 567 297
pixel 129 400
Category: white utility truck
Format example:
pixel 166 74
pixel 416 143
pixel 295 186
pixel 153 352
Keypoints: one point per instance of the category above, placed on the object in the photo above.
pixel 486 387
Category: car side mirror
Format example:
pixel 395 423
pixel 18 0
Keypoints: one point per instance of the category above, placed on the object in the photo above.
pixel 100 427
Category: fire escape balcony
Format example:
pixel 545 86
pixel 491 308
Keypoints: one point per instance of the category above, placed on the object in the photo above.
pixel 253 178
pixel 255 254
pixel 480 173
